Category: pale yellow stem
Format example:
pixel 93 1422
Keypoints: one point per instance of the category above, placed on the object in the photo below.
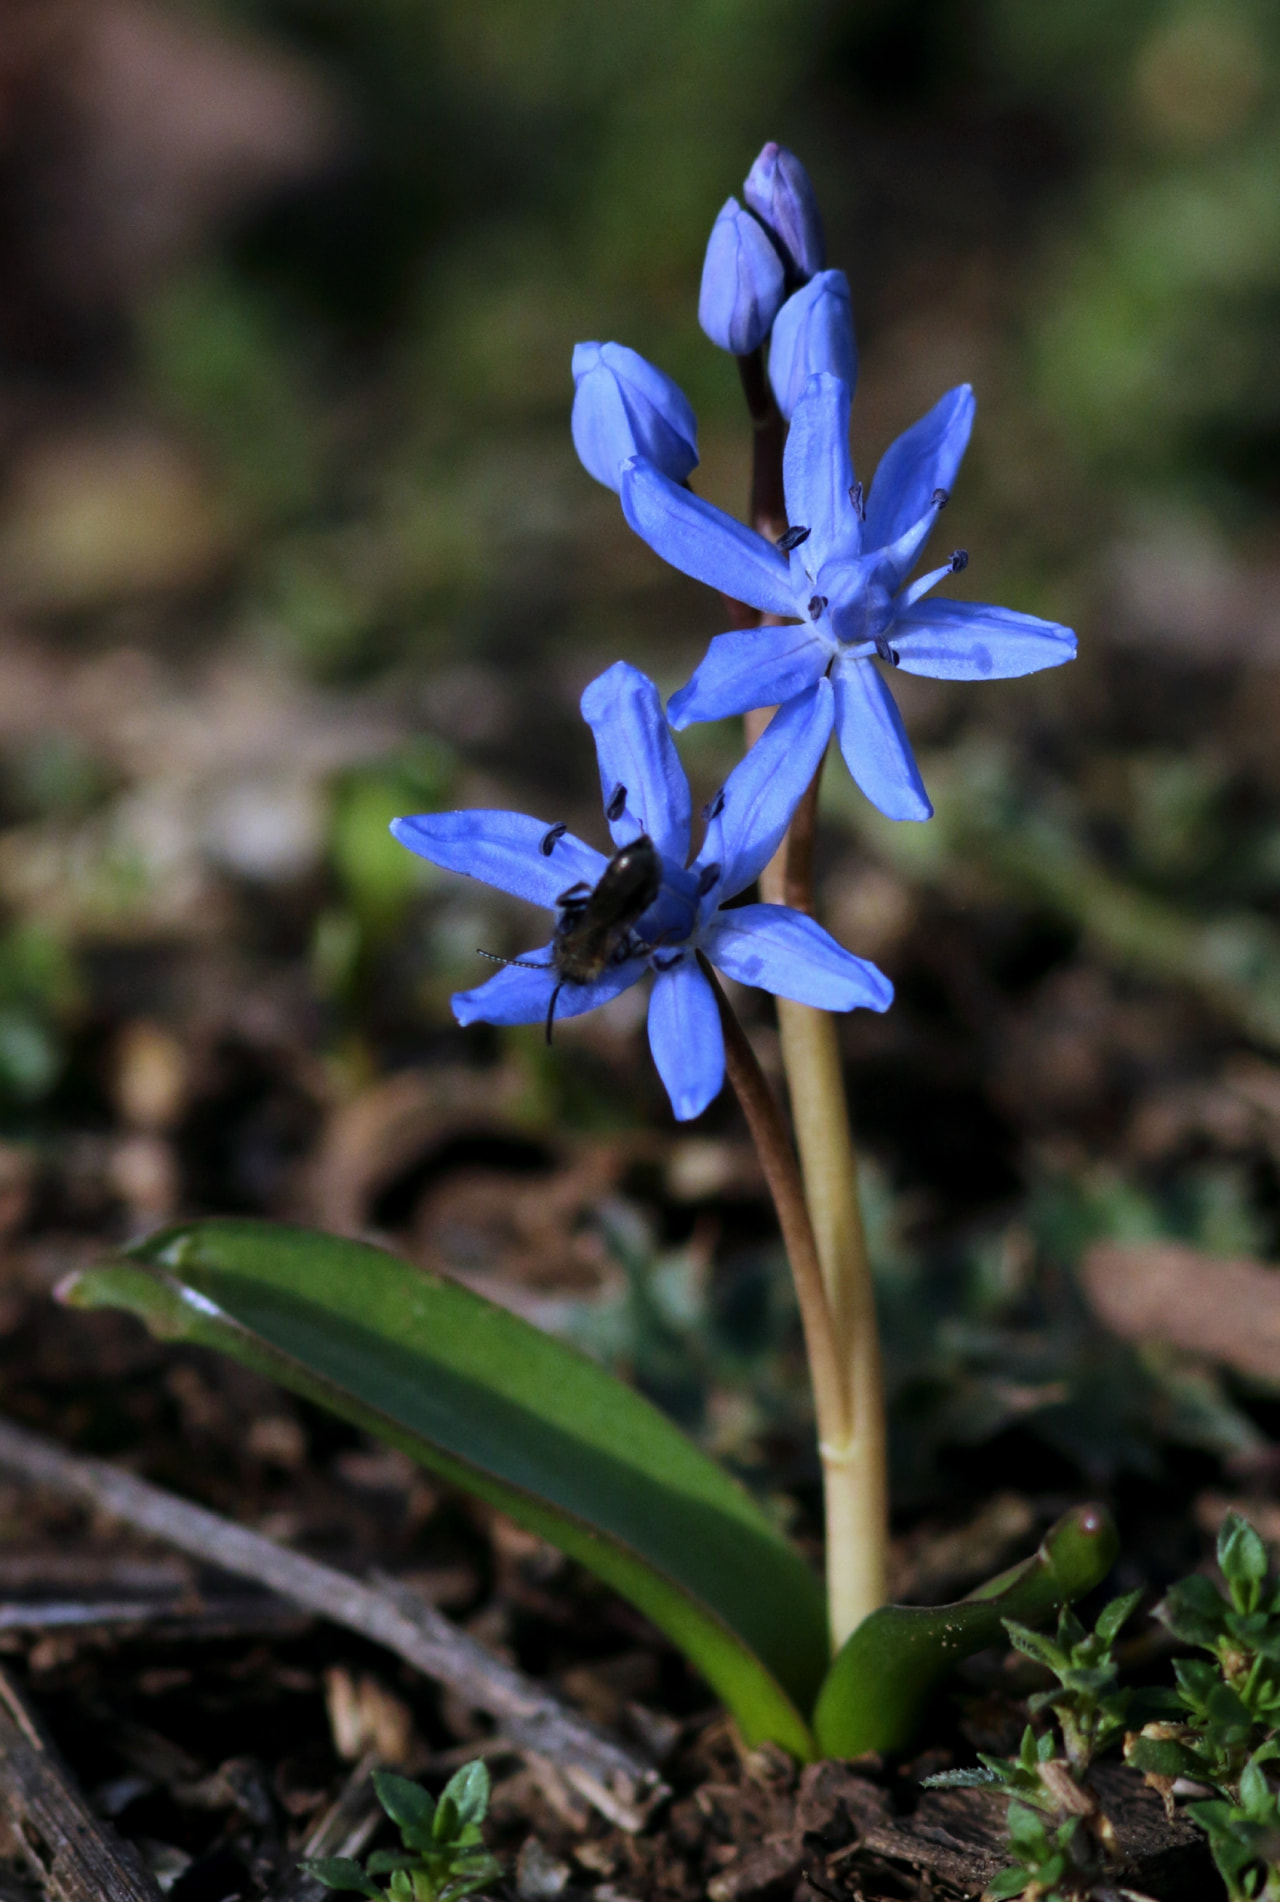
pixel 855 1476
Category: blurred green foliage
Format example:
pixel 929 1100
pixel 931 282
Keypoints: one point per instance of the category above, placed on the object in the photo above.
pixel 980 1336
pixel 518 175
pixel 38 991
pixel 375 879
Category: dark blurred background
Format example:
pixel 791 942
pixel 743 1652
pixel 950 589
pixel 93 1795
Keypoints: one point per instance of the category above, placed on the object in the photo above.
pixel 292 538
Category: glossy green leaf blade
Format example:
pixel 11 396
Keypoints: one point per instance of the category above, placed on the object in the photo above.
pixel 505 1411
pixel 877 1688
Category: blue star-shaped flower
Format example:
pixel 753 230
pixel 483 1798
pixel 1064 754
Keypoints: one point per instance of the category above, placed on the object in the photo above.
pixel 646 795
pixel 841 573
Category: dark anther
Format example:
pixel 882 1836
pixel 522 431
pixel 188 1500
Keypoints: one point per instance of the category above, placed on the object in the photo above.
pixel 940 498
pixel 817 603
pixel 617 803
pixel 793 538
pixel 707 878
pixel 884 650
pixel 894 657
pixel 713 808
pixel 858 499
pixel 960 561
pixel 551 839
pixel 668 964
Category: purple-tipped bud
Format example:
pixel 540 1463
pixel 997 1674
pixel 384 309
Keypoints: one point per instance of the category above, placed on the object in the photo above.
pixel 779 191
pixel 624 406
pixel 813 332
pixel 743 282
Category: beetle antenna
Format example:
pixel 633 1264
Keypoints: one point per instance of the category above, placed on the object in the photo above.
pixel 526 964
pixel 551 1008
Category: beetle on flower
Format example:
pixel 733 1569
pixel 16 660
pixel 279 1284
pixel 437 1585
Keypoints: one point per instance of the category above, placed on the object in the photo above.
pixel 647 805
pixel 837 585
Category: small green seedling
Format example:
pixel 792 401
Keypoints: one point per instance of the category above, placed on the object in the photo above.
pixel 1046 1854
pixel 1017 1776
pixel 1056 1830
pixel 1088 1703
pixel 1245 1836
pixel 1218 1728
pixel 444 1857
pixel 1226 1707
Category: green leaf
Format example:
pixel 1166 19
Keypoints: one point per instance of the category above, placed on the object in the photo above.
pixel 468 1791
pixel 1242 1557
pixel 1197 1681
pixel 460 1885
pixel 1194 1610
pixel 877 1688
pixel 1027 1831
pixel 1115 1615
pixel 410 1807
pixel 341 1872
pixel 1009 1882
pixel 1070 1631
pixel 506 1412
pixel 383 1861
pixel 1226 1711
pixel 976 1777
pixel 1163 1757
pixel 1255 1792
pixel 1033 1644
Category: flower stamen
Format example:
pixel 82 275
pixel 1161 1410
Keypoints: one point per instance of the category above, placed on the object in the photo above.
pixel 957 564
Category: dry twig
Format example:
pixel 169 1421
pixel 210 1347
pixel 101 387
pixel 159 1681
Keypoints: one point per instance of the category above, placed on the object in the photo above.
pixel 75 1857
pixel 610 1775
pixel 343 1830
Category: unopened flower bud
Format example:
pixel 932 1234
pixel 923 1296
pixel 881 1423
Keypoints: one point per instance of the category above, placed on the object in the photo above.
pixel 813 332
pixel 624 406
pixel 743 282
pixel 779 191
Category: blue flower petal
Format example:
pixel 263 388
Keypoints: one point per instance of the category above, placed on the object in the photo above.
pixel 686 1039
pixel 743 281
pixel 925 458
pixel 764 789
pixel 520 994
pixel 875 744
pixel 704 542
pixel 894 563
pixel 624 406
pixel 818 474
pixel 504 849
pixel 813 332
pixel 749 667
pixel 967 640
pixel 782 951
pixel 636 753
pixel 779 191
